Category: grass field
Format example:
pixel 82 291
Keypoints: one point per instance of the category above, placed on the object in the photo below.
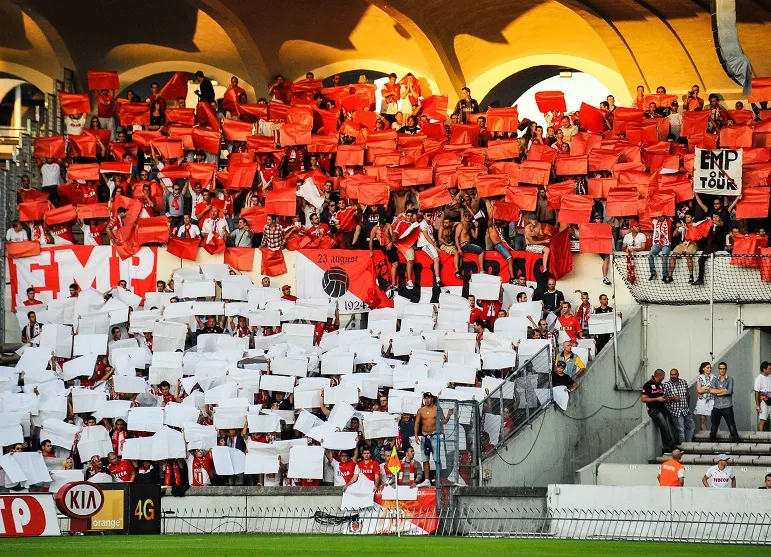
pixel 219 545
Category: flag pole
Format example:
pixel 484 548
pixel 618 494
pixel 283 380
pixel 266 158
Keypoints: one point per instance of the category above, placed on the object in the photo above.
pixel 398 530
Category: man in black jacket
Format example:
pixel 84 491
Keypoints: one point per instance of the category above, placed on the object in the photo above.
pixel 715 241
pixel 206 91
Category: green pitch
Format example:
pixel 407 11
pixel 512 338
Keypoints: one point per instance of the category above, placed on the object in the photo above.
pixel 221 545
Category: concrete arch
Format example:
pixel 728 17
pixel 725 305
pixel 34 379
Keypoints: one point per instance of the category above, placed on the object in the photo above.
pixel 375 65
pixel 132 75
pixel 39 79
pixel 613 80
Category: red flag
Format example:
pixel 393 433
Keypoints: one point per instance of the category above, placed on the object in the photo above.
pixel 323 144
pixel 33 210
pixel 694 121
pixel 621 202
pixel 661 204
pixel 575 209
pixel 183 134
pixel 541 152
pixel 349 155
pixel 622 114
pixel 761 90
pixel 365 118
pixel 206 116
pixel 498 120
pixel 182 116
pixel 640 180
pixel 583 143
pixel 417 176
pixel 152 230
pixel 526 198
pixel 143 139
pixel 754 204
pixel 598 188
pixel 503 210
pixel 683 190
pixel 113 167
pixel 747 245
pixel 407 142
pixel 703 141
pixel 27 248
pixel 200 172
pixel 765 264
pixel 325 121
pixel 736 136
pixel 241 176
pixel 89 171
pixel 464 134
pixel 134 114
pixel 742 117
pixel 256 111
pixel 595 238
pixel 535 172
pixel 435 107
pixel 757 174
pixel 272 263
pixel 183 248
pixel 176 87
pixel 503 149
pixel 120 149
pixel 83 146
pixel 756 154
pixel 102 134
pixel 93 211
pixel 98 80
pixel 277 111
pixel 374 193
pixel 255 216
pixel 306 88
pixel 550 101
pixel 557 191
pixel 357 102
pixel 300 115
pixel 591 119
pixel 431 198
pixel 230 101
pixel 601 159
pixel 213 244
pixel 235 130
pixel 281 202
pixel 491 185
pixel 206 140
pixel 571 165
pixel 168 148
pixel 239 259
pixel 295 134
pixel 74 103
pixel 49 147
pixel 60 215
pixel 511 169
pixel 434 130
pixel 561 260
pixel 661 100
pixel 33 195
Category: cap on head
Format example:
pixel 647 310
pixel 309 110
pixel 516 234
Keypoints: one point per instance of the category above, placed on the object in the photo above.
pixel 428 395
pixel 634 223
pixel 122 210
pixel 286 287
pixel 722 457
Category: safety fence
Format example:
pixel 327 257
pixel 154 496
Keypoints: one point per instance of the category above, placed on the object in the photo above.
pixel 725 278
pixel 472 430
pixel 698 527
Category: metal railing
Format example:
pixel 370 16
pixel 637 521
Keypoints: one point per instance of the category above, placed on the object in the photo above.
pixel 514 522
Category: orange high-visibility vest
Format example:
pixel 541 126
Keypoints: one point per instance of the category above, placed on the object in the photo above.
pixel 668 477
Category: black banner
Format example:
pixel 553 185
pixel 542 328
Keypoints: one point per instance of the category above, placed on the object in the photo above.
pixel 144 509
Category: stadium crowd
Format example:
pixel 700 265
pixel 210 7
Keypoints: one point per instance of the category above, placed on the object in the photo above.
pixel 203 386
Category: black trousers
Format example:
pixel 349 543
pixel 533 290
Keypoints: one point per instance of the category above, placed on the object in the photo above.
pixel 728 415
pixel 706 252
pixel 661 419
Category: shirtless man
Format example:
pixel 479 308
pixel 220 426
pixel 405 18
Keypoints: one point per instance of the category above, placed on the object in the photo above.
pixel 383 234
pixel 446 238
pixel 467 231
pixel 425 424
pixel 495 233
pixel 400 200
pixel 536 241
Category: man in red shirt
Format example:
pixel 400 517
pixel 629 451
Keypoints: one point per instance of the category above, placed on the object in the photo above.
pixel 369 468
pixel 121 469
pixel 286 292
pixel 105 109
pixel 61 233
pixel 569 322
pixel 31 301
pixel 344 467
pixel 116 223
pixel 201 468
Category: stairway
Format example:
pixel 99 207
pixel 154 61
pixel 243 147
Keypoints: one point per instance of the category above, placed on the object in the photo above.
pixel 753 450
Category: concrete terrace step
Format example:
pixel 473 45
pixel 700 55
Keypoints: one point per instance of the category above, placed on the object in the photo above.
pixel 727 448
pixel 735 460
pixel 745 436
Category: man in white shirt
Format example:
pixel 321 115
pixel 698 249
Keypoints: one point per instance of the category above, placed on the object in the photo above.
pixel 568 129
pixel 50 173
pixel 427 243
pixel 188 229
pixel 16 233
pixel 721 475
pixel 762 392
pixel 634 241
pixel 215 223
pixel 75 123
pixel 675 119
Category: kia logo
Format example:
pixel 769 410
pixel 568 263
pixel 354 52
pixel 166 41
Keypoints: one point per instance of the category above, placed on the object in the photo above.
pixel 79 499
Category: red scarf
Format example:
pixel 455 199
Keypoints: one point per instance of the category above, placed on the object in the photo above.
pixel 175 202
pixel 411 474
pixel 167 474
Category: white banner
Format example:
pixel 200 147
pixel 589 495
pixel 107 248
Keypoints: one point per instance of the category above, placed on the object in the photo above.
pixel 718 172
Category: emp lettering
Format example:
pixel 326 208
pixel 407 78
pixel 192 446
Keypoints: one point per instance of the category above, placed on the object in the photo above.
pixel 719 164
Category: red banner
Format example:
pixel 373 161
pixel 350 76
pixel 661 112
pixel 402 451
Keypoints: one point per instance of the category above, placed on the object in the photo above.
pixel 500 120
pixel 694 121
pixel 550 101
pixel 206 140
pixel 152 230
pixel 754 204
pixel 595 238
pixel 434 197
pixel 435 107
pixel 575 209
pixel 273 263
pixel 761 90
pixel 96 267
pixel 240 259
pixel 99 80
pixel 49 147
pixel 74 103
pixel 175 88
pixel 134 114
pixel 83 146
pixel 503 149
pixel 591 118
